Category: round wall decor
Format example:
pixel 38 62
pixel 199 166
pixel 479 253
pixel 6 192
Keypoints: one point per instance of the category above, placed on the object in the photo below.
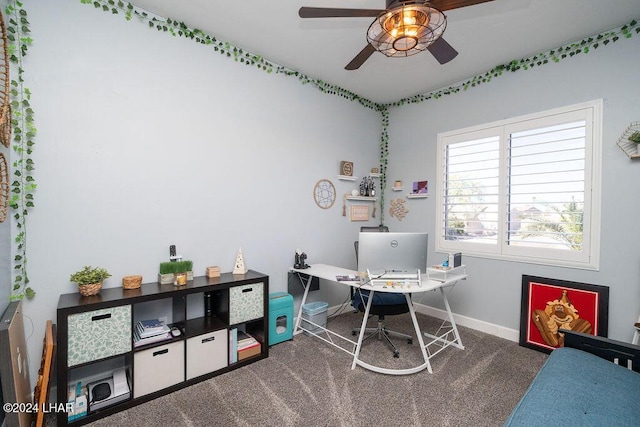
pixel 324 194
pixel 4 188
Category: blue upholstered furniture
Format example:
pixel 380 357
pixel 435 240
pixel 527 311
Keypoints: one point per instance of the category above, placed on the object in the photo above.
pixel 581 386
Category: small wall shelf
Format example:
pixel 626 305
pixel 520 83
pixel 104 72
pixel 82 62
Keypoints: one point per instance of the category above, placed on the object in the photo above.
pixel 362 198
pixel 347 178
pixel 374 175
pixel 630 148
pixel 397 188
pixel 417 196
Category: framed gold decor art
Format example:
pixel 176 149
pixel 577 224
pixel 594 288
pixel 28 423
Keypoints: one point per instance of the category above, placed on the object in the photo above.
pixel 359 213
pixel 550 306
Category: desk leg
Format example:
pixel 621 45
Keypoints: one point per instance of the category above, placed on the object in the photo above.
pixel 307 286
pixel 457 342
pixel 356 353
pixel 423 348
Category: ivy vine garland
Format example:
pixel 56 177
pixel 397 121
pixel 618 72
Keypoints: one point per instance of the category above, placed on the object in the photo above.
pixel 24 132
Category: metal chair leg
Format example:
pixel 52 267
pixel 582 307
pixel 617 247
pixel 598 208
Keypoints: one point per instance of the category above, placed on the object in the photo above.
pixel 382 332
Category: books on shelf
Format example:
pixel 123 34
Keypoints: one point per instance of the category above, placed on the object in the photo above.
pixel 150 331
pixel 151 327
pixel 138 341
pixel 247 346
pixel 233 345
pixel 242 345
pixel 246 341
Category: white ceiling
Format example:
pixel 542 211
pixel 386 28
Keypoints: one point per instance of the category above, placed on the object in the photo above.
pixel 485 35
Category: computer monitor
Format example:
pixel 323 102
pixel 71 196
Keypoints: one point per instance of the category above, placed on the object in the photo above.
pixel 393 251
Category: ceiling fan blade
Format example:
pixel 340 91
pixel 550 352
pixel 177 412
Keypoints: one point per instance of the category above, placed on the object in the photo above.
pixel 327 12
pixel 443 5
pixel 442 51
pixel 359 59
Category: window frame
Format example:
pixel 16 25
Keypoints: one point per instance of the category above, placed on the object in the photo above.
pixel 589 257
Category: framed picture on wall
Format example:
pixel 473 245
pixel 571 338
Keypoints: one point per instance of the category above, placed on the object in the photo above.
pixel 420 187
pixel 551 305
pixel 359 213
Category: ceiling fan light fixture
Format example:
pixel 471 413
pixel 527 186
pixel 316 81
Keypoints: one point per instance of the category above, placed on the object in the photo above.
pixel 406 30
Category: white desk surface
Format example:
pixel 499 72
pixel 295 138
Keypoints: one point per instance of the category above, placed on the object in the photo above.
pixel 330 272
pixel 440 342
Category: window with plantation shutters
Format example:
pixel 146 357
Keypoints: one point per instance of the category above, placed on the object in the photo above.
pixel 526 189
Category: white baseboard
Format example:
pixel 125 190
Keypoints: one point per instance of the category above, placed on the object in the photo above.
pixel 469 322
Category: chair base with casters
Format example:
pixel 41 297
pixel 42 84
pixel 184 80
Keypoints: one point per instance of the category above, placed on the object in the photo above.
pixel 383 304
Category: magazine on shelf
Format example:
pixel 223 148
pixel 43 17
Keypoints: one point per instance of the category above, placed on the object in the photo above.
pixel 233 346
pixel 148 328
pixel 151 324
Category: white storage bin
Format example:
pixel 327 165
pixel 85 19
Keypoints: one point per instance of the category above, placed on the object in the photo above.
pixel 158 368
pixel 207 353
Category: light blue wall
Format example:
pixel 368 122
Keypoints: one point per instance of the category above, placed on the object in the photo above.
pixel 146 140
pixel 492 293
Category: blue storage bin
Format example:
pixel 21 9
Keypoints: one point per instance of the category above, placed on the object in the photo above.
pixel 315 312
pixel 280 317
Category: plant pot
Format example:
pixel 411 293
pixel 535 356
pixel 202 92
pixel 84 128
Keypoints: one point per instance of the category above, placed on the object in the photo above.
pixel 165 279
pixel 170 278
pixel 88 290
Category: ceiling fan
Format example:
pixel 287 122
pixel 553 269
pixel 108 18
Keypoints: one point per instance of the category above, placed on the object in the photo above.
pixel 404 28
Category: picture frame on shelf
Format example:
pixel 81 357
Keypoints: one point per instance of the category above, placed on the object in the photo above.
pixel 420 187
pixel 550 305
pixel 359 213
pixel 346 168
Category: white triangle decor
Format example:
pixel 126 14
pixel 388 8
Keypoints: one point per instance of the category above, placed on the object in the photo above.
pixel 239 267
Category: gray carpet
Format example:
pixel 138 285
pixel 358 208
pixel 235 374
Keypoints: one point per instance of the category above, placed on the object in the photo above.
pixel 306 382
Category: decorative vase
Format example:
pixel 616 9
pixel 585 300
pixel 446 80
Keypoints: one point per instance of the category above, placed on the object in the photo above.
pixel 88 290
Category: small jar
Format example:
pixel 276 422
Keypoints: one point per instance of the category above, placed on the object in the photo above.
pixel 181 279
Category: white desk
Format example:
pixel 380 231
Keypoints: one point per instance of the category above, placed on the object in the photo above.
pixel 436 343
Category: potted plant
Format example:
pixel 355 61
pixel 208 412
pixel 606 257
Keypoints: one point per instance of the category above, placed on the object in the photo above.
pixel 89 279
pixel 170 270
pixel 635 137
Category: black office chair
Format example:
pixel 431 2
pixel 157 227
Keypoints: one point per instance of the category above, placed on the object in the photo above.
pixel 383 304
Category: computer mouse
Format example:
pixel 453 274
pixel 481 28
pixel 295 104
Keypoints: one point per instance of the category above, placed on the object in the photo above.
pixel 100 392
pixel 175 332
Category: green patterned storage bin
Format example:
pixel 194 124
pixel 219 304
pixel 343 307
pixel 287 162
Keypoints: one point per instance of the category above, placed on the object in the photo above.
pixel 98 334
pixel 246 303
